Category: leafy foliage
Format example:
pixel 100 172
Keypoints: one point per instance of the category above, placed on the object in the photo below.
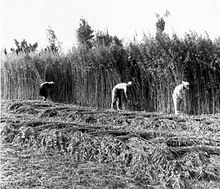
pixel 23 47
pixel 54 44
pixel 84 34
pixel 105 39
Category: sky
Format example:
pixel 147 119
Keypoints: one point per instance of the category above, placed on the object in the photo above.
pixel 29 19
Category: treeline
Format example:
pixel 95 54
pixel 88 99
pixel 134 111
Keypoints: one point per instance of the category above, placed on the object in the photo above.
pixel 88 72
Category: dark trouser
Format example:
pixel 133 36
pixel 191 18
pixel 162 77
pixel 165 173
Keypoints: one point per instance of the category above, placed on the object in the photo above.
pixel 118 98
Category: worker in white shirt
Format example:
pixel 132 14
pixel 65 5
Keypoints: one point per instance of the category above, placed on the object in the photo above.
pixel 178 94
pixel 117 91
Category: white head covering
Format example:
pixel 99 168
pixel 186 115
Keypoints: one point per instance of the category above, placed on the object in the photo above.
pixel 129 83
pixel 185 84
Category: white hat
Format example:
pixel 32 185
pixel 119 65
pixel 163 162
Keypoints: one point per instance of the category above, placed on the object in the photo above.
pixel 185 84
pixel 129 83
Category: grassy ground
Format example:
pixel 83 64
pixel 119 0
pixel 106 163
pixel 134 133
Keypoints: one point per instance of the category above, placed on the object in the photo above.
pixel 49 145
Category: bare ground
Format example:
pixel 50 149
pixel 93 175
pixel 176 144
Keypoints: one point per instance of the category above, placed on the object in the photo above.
pixel 51 145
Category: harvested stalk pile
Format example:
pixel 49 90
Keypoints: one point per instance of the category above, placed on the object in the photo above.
pixel 49 145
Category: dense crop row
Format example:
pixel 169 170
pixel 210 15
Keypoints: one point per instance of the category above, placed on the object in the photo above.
pixel 86 76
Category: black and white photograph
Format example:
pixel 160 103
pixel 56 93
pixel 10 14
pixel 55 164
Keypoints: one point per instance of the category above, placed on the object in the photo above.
pixel 110 94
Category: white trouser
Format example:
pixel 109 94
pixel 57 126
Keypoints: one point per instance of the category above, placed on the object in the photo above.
pixel 177 104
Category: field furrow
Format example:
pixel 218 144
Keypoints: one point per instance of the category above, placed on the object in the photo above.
pixel 52 145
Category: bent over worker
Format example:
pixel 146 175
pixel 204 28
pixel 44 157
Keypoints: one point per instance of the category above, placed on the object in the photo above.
pixel 45 89
pixel 178 94
pixel 117 92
